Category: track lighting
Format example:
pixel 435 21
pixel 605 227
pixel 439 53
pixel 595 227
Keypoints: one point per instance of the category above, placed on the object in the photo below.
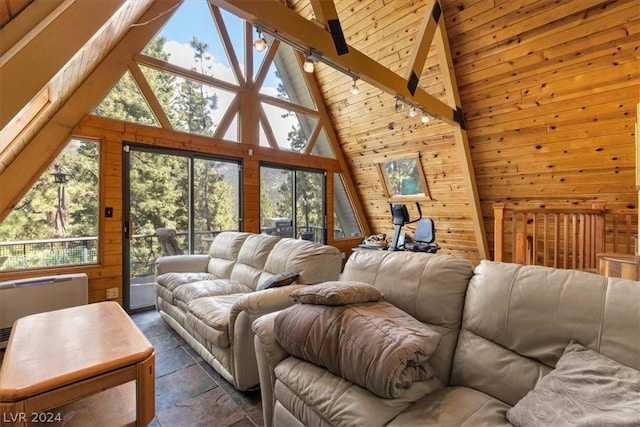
pixel 413 111
pixel 354 87
pixel 425 117
pixel 399 105
pixel 260 44
pixel 310 60
pixel 308 66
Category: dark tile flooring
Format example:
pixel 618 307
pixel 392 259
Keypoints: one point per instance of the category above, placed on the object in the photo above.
pixel 189 392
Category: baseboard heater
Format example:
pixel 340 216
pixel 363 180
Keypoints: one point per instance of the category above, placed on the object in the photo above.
pixel 19 298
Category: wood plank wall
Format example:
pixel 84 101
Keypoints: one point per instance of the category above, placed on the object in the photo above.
pixel 549 90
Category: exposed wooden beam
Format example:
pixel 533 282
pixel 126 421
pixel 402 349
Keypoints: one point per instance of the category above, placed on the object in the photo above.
pixel 149 95
pixel 20 174
pixel 325 12
pixel 421 47
pixel 24 72
pixel 277 17
pixel 22 28
pixel 462 141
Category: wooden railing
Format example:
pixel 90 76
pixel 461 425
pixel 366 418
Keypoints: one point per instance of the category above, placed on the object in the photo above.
pixel 563 238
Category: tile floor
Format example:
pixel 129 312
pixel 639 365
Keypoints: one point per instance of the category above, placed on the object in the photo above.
pixel 189 392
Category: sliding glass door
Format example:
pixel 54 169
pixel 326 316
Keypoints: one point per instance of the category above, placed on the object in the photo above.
pixel 174 202
pixel 292 202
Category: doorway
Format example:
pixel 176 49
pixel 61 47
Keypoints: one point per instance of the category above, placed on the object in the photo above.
pixel 174 202
pixel 293 202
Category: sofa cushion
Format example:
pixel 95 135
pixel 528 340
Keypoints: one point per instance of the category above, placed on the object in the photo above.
pixel 209 317
pixel 224 251
pixel 281 279
pixel 585 388
pixel 454 407
pixel 337 293
pixel 207 288
pixel 428 287
pixel 172 280
pixel 316 396
pixel 518 319
pixel 252 258
pixel 316 263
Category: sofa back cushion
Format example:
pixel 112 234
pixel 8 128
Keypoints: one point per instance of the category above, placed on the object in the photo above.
pixel 252 258
pixel 223 252
pixel 429 287
pixel 518 320
pixel 316 263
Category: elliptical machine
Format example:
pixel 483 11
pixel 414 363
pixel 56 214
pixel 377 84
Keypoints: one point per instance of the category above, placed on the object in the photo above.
pixel 399 218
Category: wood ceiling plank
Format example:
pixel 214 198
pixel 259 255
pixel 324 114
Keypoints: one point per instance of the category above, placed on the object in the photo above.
pixel 35 64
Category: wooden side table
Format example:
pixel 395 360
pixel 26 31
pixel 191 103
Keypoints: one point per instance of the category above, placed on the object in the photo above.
pixel 61 356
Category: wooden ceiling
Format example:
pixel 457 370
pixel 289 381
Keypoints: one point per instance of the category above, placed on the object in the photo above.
pixel 549 92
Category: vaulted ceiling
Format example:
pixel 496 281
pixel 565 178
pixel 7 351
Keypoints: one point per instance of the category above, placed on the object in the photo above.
pixel 547 90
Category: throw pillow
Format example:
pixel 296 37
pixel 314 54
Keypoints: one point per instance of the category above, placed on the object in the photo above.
pixel 337 293
pixel 585 388
pixel 280 279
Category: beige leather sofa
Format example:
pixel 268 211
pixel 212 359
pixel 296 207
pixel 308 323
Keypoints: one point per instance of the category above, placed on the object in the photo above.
pixel 504 328
pixel 211 300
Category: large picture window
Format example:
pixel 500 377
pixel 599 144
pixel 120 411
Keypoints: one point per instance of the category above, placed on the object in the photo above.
pixel 56 222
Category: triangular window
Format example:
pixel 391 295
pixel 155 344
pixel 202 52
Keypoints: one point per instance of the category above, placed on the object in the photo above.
pixel 285 79
pixel 322 147
pixel 196 46
pixel 194 107
pixel 125 102
pixel 291 130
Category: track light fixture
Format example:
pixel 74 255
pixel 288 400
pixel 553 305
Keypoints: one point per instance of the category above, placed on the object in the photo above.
pixel 399 105
pixel 354 87
pixel 311 55
pixel 308 66
pixel 260 44
pixel 414 110
pixel 310 62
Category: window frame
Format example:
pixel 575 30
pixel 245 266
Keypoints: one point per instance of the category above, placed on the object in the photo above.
pixel 386 183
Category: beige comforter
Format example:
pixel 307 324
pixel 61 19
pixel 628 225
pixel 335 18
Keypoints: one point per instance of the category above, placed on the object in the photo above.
pixel 374 345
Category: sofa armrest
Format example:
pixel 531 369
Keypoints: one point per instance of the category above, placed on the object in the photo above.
pixel 263 302
pixel 268 354
pixel 182 264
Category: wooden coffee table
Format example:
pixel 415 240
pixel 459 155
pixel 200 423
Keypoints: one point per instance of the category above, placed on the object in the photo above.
pixel 58 357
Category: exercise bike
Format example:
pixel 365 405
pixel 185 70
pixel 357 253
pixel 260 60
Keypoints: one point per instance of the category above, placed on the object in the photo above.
pixel 423 237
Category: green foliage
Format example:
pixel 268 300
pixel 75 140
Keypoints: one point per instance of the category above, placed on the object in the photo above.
pixel 192 103
pixel 403 176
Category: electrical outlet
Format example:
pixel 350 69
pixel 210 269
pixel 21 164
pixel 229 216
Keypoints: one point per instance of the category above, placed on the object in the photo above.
pixel 112 293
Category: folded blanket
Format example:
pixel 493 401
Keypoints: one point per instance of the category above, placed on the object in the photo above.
pixel 375 345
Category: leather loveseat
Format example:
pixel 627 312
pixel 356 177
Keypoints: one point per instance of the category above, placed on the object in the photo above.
pixel 519 344
pixel 211 300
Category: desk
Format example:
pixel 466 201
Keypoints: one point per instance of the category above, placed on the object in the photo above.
pixel 61 356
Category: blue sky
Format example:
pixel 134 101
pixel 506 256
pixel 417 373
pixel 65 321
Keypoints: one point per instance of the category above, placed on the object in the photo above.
pixel 193 18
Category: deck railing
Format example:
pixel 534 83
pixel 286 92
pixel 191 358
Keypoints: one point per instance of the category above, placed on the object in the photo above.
pixel 563 238
pixel 144 249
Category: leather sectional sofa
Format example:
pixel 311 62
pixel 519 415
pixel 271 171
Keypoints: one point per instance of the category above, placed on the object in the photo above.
pixel 519 345
pixel 211 300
